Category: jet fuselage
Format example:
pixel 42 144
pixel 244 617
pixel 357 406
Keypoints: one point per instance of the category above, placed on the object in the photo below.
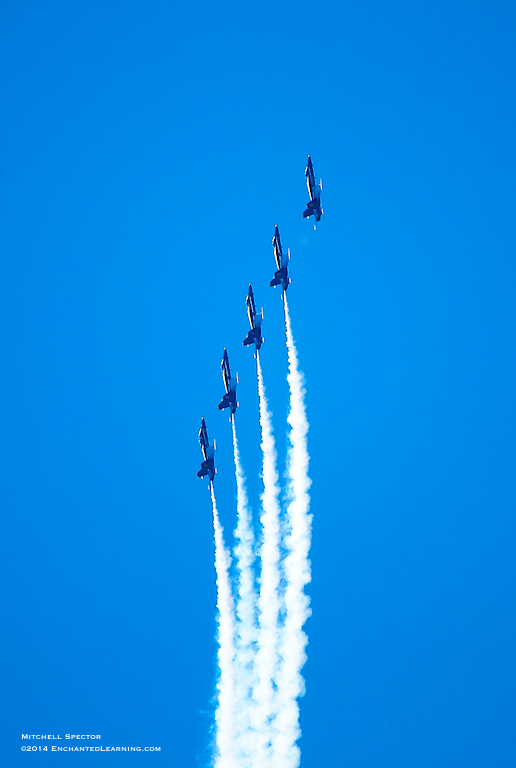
pixel 281 275
pixel 255 321
pixel 208 452
pixel 229 400
pixel 314 192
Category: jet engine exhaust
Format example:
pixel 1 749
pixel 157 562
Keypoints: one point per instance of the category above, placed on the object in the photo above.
pixel 246 630
pixel 225 708
pixel 290 683
pixel 267 660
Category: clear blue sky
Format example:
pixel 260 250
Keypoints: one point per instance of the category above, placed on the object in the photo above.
pixel 147 150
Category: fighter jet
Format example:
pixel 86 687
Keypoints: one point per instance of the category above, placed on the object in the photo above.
pixel 281 276
pixel 229 400
pixel 255 320
pixel 314 191
pixel 208 465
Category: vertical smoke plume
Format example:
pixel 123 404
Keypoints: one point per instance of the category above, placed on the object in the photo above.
pixel 296 567
pixel 225 712
pixel 266 662
pixel 245 610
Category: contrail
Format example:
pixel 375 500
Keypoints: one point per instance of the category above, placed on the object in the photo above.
pixel 225 712
pixel 246 613
pixel 290 682
pixel 266 661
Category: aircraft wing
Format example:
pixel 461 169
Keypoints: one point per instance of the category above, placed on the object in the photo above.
pixel 252 337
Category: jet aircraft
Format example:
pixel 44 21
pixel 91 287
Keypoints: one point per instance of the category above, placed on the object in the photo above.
pixel 314 191
pixel 281 276
pixel 208 465
pixel 229 400
pixel 255 320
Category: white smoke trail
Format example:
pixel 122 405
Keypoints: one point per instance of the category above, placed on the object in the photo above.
pixel 246 634
pixel 290 682
pixel 266 661
pixel 225 712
